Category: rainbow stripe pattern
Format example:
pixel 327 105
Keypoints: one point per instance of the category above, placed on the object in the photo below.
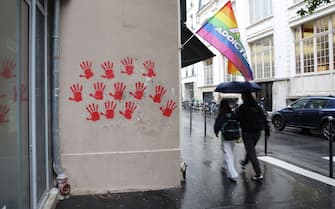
pixel 221 31
pixel 232 69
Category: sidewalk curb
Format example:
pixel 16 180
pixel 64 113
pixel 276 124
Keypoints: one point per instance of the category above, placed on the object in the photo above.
pixel 52 199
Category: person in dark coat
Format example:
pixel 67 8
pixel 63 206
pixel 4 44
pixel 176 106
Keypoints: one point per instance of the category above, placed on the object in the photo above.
pixel 252 121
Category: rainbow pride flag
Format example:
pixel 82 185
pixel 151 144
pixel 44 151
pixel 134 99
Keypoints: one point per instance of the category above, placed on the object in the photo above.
pixel 221 31
pixel 232 69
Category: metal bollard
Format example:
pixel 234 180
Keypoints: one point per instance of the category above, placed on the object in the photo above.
pixel 265 145
pixel 330 120
pixel 191 119
pixel 205 122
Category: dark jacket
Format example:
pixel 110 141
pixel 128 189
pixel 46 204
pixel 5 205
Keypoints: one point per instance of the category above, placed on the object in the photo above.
pixel 252 118
pixel 220 120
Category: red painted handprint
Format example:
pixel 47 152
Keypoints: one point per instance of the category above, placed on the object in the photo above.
pixel 2 96
pixel 99 91
pixel 119 88
pixel 130 108
pixel 76 91
pixel 109 72
pixel 110 108
pixel 128 65
pixel 3 113
pixel 23 91
pixel 160 91
pixel 87 68
pixel 170 106
pixel 93 109
pixel 149 66
pixel 7 69
pixel 139 92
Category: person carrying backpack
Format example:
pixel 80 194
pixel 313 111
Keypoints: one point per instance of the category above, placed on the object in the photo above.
pixel 252 121
pixel 226 123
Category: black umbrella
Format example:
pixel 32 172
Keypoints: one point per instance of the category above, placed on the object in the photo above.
pixel 237 87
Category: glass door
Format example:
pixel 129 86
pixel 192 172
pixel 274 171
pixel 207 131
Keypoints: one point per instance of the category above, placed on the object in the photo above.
pixel 38 109
pixel 14 109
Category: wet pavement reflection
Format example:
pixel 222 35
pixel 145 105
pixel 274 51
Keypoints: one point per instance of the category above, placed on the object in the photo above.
pixel 207 186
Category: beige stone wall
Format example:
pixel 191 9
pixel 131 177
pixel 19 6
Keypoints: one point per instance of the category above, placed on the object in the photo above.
pixel 120 154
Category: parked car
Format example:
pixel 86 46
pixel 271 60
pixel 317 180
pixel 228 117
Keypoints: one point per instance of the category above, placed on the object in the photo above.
pixel 307 113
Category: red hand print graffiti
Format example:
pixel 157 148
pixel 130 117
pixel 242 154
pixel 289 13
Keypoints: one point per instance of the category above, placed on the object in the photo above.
pixel 99 91
pixel 110 108
pixel 87 68
pixel 23 93
pixel 170 106
pixel 3 113
pixel 128 66
pixel 119 88
pixel 139 92
pixel 76 91
pixel 149 66
pixel 130 107
pixel 7 69
pixel 93 109
pixel 159 92
pixel 109 72
pixel 2 96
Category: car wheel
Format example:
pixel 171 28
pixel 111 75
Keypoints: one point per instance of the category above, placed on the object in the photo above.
pixel 325 130
pixel 278 123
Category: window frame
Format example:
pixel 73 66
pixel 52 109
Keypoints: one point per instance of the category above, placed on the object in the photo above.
pixel 321 60
pixel 260 50
pixel 208 72
pixel 256 16
pixel 293 106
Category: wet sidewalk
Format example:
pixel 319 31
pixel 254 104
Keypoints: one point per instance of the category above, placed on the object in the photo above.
pixel 207 186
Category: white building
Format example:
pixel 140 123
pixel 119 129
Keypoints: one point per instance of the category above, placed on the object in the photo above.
pixel 291 56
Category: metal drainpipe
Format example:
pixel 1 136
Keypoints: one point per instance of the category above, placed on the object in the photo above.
pixel 61 179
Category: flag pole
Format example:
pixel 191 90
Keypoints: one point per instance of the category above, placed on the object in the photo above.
pixel 193 34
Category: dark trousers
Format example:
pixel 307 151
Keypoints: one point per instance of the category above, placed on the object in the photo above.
pixel 250 140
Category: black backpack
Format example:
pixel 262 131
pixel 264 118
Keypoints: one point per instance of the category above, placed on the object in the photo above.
pixel 231 128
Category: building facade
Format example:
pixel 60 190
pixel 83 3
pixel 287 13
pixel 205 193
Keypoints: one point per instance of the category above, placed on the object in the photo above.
pixel 89 98
pixel 291 56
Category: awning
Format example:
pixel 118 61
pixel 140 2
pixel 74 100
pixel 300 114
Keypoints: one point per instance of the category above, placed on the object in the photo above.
pixel 194 50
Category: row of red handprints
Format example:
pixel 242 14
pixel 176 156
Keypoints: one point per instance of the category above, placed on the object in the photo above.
pixel 129 108
pixel 23 93
pixel 118 94
pixel 108 67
